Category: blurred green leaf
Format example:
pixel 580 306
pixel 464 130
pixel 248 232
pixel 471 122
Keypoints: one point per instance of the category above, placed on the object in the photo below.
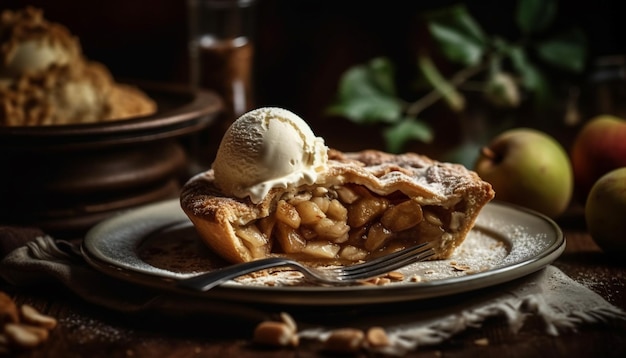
pixel 532 77
pixel 404 131
pixel 367 94
pixel 534 16
pixel 451 95
pixel 368 110
pixel 382 72
pixel 458 35
pixel 566 51
pixel 373 78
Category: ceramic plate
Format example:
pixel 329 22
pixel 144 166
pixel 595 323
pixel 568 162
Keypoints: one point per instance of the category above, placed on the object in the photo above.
pixel 156 245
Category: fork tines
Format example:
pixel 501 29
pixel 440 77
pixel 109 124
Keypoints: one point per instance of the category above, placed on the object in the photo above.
pixel 387 263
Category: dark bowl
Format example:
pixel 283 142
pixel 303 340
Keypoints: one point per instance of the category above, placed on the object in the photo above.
pixel 64 179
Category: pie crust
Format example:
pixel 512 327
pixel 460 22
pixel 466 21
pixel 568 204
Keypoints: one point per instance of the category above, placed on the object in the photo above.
pixel 367 204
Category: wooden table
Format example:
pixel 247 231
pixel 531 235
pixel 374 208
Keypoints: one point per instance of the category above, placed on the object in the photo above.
pixel 86 330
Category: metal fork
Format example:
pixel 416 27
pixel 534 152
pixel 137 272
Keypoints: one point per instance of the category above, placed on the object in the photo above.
pixel 340 275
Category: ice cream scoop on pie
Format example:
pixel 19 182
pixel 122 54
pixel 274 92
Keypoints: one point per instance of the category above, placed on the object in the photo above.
pixel 276 189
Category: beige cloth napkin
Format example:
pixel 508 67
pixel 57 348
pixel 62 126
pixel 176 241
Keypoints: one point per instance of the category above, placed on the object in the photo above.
pixel 559 302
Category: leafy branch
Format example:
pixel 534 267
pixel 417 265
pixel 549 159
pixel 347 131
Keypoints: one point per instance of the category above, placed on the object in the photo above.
pixel 501 69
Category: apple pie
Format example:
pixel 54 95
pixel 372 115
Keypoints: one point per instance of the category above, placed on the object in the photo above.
pixel 366 204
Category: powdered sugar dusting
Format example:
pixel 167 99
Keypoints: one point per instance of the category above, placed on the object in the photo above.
pixel 88 329
pixel 527 243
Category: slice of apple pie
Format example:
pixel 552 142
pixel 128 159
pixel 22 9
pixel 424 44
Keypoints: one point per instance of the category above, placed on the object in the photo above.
pixel 364 205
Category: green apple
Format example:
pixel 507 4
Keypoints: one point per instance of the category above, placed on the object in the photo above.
pixel 605 212
pixel 529 168
pixel 599 147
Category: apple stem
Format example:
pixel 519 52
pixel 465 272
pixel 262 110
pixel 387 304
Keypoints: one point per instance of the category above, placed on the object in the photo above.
pixel 489 154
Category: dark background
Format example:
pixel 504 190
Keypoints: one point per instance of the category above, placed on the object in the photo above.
pixel 302 47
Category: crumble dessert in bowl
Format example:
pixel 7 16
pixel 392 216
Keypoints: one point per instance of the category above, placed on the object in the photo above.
pixel 46 80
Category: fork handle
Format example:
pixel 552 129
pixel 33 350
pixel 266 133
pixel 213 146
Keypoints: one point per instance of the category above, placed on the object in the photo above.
pixel 206 281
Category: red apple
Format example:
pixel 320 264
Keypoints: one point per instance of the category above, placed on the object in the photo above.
pixel 598 148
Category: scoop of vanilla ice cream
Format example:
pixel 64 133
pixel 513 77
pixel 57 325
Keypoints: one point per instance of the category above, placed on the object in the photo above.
pixel 268 148
pixel 35 56
pixel 33 44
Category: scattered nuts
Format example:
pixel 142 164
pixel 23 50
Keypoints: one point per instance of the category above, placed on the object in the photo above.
pixel 24 335
pixel 377 337
pixel 274 333
pixel 34 317
pixel 283 333
pixel 383 281
pixel 395 276
pixel 8 309
pixel 459 267
pixel 481 342
pixel 289 321
pixel 23 328
pixel 345 340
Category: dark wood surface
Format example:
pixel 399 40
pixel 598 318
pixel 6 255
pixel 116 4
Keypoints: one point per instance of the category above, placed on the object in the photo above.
pixel 86 330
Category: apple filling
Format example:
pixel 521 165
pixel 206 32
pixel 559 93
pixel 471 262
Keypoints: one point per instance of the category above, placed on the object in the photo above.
pixel 348 223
